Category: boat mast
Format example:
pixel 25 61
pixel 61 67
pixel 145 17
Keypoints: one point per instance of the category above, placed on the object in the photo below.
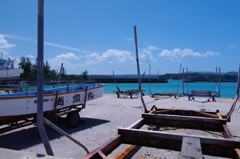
pixel 183 81
pixel 219 79
pixel 158 82
pixel 149 79
pixel 40 124
pixel 1 55
pixel 115 81
pixel 238 82
pixel 187 80
pixel 138 69
pixel 216 85
pixel 179 76
pixel 59 76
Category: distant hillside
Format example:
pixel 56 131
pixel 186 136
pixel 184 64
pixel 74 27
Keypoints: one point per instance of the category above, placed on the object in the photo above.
pixel 129 76
pixel 195 76
pixel 208 72
pixel 231 73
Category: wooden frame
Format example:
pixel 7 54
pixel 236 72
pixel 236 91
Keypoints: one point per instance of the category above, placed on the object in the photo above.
pixel 133 135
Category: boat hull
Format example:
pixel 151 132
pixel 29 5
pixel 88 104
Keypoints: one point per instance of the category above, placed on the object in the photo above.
pixel 24 105
pixel 7 74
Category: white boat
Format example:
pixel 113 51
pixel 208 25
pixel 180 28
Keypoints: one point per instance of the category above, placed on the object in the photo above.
pixel 8 73
pixel 21 105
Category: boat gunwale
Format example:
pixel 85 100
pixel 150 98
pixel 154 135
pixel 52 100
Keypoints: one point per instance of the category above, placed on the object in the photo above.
pixel 51 94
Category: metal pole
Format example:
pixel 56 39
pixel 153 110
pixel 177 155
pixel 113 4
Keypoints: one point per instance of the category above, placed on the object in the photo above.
pixel 115 81
pixel 183 81
pixel 187 79
pixel 65 134
pixel 59 76
pixel 216 85
pixel 149 79
pixel 142 77
pixel 158 82
pixel 179 76
pixel 219 79
pixel 41 128
pixel 138 69
pixel 238 82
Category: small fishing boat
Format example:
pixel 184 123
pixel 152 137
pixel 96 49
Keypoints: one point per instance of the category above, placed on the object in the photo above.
pixel 7 72
pixel 15 107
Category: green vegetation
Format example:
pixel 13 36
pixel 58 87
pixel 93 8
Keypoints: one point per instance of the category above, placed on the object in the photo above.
pixel 30 70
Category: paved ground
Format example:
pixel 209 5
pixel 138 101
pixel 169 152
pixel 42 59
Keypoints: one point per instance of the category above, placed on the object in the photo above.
pixel 103 117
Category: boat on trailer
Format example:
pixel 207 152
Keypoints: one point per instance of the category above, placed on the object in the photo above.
pixel 19 109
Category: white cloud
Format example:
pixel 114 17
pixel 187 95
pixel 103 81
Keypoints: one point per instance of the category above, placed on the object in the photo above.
pixel 231 46
pixel 66 47
pixel 176 53
pixel 56 62
pixel 117 56
pixel 111 56
pixel 4 43
pixel 46 43
pixel 152 48
pixel 29 56
pixel 21 38
pixel 68 56
pixel 93 58
pixel 146 55
pixel 128 39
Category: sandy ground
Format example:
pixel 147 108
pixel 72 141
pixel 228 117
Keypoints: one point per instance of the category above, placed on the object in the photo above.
pixel 104 116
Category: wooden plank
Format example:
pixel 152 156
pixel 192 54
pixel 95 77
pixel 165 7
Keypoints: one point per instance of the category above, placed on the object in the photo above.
pixel 210 146
pixel 105 148
pixel 191 122
pixel 138 124
pixel 103 156
pixel 184 112
pixel 191 148
pixel 126 152
pixel 190 118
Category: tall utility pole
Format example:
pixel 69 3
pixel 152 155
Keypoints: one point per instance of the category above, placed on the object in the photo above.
pixel 40 64
pixel 138 70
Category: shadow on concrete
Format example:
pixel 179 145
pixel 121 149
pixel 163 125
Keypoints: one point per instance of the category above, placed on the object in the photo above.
pixel 29 136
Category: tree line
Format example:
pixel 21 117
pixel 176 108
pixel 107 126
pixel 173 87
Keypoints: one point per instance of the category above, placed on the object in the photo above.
pixel 30 70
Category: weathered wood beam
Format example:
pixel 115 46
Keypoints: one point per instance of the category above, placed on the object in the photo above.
pixel 191 122
pixel 185 112
pixel 138 124
pixel 105 148
pixel 210 146
pixel 191 148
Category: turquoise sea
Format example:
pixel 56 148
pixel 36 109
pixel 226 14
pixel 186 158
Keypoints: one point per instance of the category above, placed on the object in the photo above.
pixel 227 90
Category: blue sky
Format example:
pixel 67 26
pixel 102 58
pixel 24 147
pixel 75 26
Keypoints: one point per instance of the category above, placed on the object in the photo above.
pixel 98 36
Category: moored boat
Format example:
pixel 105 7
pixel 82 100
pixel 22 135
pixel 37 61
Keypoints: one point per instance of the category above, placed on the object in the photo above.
pixel 22 105
pixel 7 72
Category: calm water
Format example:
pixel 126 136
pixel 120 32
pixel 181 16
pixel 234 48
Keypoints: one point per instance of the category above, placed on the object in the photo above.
pixel 227 90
